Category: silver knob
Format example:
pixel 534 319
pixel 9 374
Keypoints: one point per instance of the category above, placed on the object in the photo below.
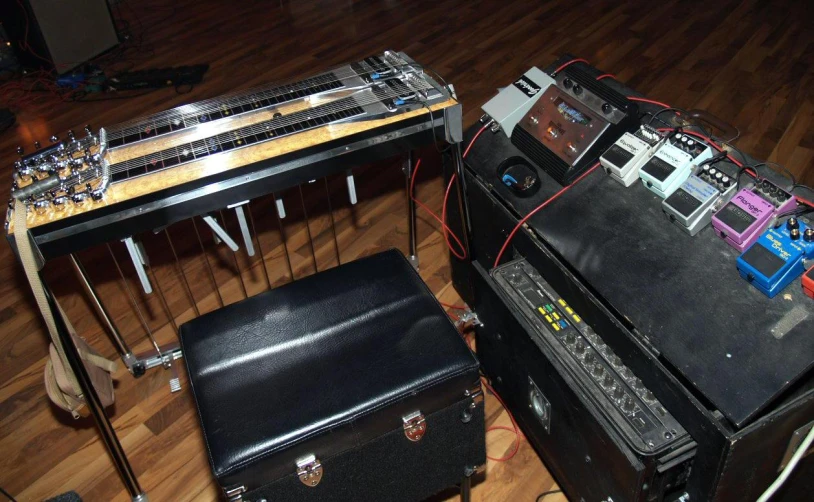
pixel 79 198
pixel 54 138
pixel 71 135
pixel 88 130
pixel 41 206
pixel 97 195
pixel 59 202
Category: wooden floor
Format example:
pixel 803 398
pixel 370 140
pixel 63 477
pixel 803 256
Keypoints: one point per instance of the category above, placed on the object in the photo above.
pixel 749 62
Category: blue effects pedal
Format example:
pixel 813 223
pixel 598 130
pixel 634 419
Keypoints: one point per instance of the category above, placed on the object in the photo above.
pixel 778 257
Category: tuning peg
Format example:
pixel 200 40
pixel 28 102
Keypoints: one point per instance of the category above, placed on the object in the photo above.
pixel 88 130
pixel 71 135
pixel 37 145
pixel 20 150
pixel 54 138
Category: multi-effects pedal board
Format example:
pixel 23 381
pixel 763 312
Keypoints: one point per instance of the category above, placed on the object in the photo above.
pixel 633 408
pixel 567 120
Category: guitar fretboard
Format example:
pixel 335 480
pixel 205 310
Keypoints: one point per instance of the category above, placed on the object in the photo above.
pixel 264 131
pixel 228 107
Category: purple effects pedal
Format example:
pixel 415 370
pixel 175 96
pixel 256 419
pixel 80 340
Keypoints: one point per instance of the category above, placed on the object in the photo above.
pixel 741 221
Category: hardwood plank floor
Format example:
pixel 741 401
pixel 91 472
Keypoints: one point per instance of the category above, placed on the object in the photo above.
pixel 749 62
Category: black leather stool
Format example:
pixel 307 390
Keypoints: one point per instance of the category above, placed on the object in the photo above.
pixel 351 384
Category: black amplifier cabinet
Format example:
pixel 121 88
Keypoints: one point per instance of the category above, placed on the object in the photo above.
pixel 602 438
pixel 731 366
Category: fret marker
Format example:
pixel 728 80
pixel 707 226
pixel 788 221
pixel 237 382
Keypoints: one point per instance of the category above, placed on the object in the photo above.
pixel 147 130
pixel 176 122
pixel 184 152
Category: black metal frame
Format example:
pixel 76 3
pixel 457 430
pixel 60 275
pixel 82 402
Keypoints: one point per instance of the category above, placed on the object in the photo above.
pixel 163 208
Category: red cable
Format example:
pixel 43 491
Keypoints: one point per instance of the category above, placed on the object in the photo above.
pixel 732 159
pixel 444 228
pixel 460 256
pixel 534 211
pixel 606 75
pixel 451 306
pixel 503 427
pixel 645 100
pixel 569 63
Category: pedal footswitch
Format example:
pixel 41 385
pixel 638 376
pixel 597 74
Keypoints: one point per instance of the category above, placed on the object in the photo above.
pixel 673 163
pixel 778 257
pixel 624 158
pixel 741 221
pixel 692 204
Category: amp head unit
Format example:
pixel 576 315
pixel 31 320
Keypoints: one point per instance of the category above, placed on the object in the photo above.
pixel 572 123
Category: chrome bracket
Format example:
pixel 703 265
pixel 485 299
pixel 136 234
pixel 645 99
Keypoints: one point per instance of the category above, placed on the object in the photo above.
pixel 235 494
pixel 309 470
pixel 414 426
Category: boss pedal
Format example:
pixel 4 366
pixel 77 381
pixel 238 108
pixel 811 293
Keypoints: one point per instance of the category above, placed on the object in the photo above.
pixel 673 163
pixel 741 221
pixel 692 204
pixel 778 257
pixel 514 101
pixel 808 282
pixel 624 158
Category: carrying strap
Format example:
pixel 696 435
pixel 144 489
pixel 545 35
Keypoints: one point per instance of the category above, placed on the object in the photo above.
pixel 32 273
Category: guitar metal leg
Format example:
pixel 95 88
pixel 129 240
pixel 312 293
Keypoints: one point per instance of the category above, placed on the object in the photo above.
pixel 183 277
pixel 411 214
pixel 121 345
pixel 308 230
pixel 94 404
pixel 460 189
pixel 259 245
pixel 333 222
pixel 466 489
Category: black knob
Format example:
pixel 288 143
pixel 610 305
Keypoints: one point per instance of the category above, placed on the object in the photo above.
pixel 20 150
pixel 579 348
pixel 765 186
pixel 598 369
pixel 606 108
pixel 618 392
pixel 567 83
pixel 577 89
pixel 570 338
pixel 808 235
pixel 607 381
pixel 794 234
pixel 726 181
pixel 71 135
pixel 649 397
pixel 277 115
pixel 37 145
pixel 589 358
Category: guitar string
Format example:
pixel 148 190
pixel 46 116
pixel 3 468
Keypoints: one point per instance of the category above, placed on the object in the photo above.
pixel 237 98
pixel 340 105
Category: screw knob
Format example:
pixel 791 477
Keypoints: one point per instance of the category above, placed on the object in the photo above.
pixel 792 223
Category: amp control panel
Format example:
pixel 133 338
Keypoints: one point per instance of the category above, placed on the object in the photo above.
pixel 616 390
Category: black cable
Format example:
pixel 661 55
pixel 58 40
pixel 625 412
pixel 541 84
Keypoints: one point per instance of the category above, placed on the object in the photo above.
pixel 7 494
pixel 782 167
pixel 662 111
pixel 800 185
pixel 546 494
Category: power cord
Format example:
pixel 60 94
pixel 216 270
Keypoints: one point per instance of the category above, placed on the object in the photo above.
pixel 546 494
pixel 7 495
